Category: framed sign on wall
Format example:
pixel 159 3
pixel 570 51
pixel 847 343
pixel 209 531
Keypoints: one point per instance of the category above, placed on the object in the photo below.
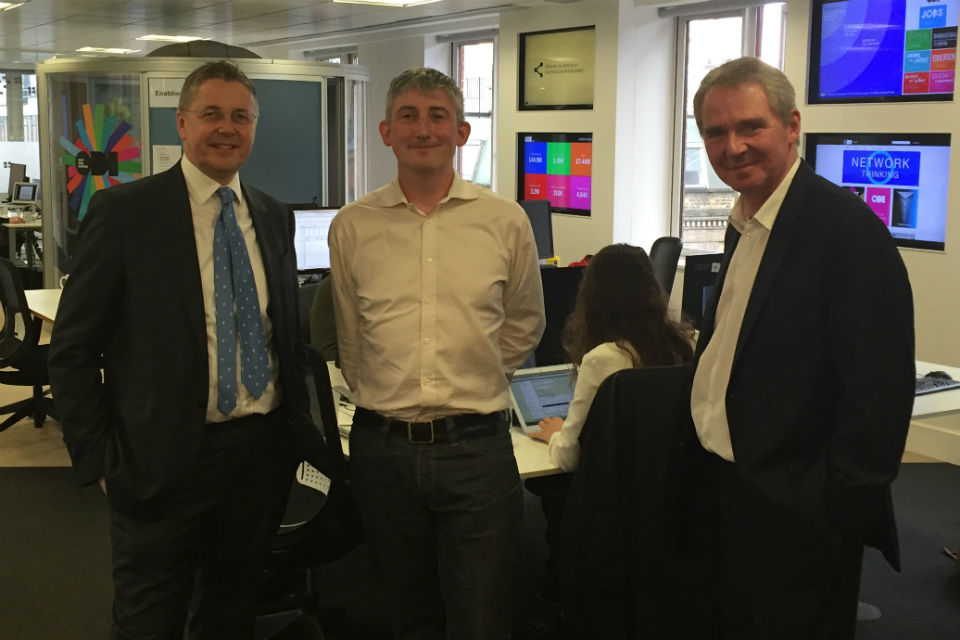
pixel 557 69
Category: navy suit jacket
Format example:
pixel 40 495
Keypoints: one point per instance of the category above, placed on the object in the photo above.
pixel 821 388
pixel 133 306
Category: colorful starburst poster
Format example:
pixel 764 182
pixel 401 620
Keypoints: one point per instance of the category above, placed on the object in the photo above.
pixel 103 155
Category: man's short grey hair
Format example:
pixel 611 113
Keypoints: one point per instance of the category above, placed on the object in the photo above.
pixel 219 70
pixel 780 93
pixel 425 81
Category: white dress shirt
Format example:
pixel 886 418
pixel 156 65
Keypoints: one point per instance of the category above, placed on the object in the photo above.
pixel 708 399
pixel 205 207
pixel 434 312
pixel 597 365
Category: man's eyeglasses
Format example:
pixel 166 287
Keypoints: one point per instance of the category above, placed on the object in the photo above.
pixel 239 117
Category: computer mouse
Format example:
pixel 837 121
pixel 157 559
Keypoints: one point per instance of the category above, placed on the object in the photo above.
pixel 939 374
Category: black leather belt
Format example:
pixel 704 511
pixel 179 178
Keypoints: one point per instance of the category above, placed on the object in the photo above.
pixel 446 429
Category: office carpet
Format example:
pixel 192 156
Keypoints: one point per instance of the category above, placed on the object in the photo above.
pixel 55 563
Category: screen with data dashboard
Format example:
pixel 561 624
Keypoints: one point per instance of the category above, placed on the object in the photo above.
pixel 882 50
pixel 557 167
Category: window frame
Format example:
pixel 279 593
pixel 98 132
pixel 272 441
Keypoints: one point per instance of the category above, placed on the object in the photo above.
pixel 752 24
pixel 456 47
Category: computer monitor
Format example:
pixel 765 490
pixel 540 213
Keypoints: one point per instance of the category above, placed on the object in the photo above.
pixel 903 177
pixel 18 173
pixel 24 193
pixel 560 286
pixel 541 219
pixel 310 237
pixel 699 278
pixel 882 50
pixel 556 167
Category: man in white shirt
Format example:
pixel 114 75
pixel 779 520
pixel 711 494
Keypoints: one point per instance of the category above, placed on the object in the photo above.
pixel 183 292
pixel 438 300
pixel 804 382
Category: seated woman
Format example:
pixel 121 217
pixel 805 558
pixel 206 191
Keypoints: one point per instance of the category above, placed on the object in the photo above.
pixel 620 321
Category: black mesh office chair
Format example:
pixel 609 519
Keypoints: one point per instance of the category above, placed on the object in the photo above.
pixel 317 528
pixel 22 360
pixel 664 254
pixel 306 292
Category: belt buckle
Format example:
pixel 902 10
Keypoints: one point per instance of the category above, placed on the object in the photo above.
pixel 420 440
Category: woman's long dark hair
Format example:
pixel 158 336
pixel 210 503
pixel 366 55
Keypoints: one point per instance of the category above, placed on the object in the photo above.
pixel 620 301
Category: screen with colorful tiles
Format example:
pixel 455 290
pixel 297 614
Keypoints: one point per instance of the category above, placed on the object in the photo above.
pixel 903 177
pixel 556 167
pixel 882 50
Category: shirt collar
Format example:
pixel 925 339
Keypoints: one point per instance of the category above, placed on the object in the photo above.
pixel 392 194
pixel 202 187
pixel 767 214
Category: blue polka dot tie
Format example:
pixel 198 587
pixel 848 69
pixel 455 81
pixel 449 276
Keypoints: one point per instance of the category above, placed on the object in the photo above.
pixel 238 310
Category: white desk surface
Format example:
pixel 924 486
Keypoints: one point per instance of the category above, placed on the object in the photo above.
pixel 36 224
pixel 43 303
pixel 940 402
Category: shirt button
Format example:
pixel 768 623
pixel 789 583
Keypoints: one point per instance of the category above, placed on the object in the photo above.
pixel 426 341
pixel 427 300
pixel 429 260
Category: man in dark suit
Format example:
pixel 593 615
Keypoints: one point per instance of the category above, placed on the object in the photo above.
pixel 183 291
pixel 804 382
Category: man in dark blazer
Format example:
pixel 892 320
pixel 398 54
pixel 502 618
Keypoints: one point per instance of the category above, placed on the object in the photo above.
pixel 195 427
pixel 805 373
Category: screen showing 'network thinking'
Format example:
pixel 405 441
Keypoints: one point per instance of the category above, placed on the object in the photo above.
pixel 882 50
pixel 556 167
pixel 903 178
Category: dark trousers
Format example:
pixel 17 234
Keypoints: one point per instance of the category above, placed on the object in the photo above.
pixel 773 574
pixel 552 491
pixel 442 521
pixel 213 530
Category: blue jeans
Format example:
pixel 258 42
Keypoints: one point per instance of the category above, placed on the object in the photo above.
pixel 443 522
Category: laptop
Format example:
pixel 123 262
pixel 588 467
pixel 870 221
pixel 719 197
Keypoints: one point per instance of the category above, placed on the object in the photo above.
pixel 541 392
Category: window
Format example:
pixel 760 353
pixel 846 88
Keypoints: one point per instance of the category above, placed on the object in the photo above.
pixel 19 137
pixel 473 66
pixel 706 42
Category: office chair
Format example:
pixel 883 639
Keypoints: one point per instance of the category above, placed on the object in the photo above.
pixel 306 292
pixel 623 564
pixel 23 361
pixel 317 529
pixel 664 254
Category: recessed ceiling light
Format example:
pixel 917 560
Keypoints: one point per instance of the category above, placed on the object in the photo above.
pixel 155 37
pixel 388 3
pixel 116 50
pixel 6 6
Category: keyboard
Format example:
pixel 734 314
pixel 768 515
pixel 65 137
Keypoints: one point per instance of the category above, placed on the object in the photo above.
pixel 932 384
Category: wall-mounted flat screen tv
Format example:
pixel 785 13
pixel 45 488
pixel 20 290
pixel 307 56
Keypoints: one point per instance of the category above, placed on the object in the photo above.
pixel 882 50
pixel 903 177
pixel 556 167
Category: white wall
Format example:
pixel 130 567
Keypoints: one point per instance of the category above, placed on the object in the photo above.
pixel 644 126
pixel 934 275
pixel 574 236
pixel 386 59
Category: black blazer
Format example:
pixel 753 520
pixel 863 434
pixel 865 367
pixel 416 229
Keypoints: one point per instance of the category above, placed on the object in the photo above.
pixel 821 389
pixel 133 306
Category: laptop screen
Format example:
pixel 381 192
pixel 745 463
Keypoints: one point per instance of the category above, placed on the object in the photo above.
pixel 542 392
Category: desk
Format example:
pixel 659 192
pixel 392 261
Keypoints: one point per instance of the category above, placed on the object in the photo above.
pixel 43 303
pixel 941 402
pixel 29 228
